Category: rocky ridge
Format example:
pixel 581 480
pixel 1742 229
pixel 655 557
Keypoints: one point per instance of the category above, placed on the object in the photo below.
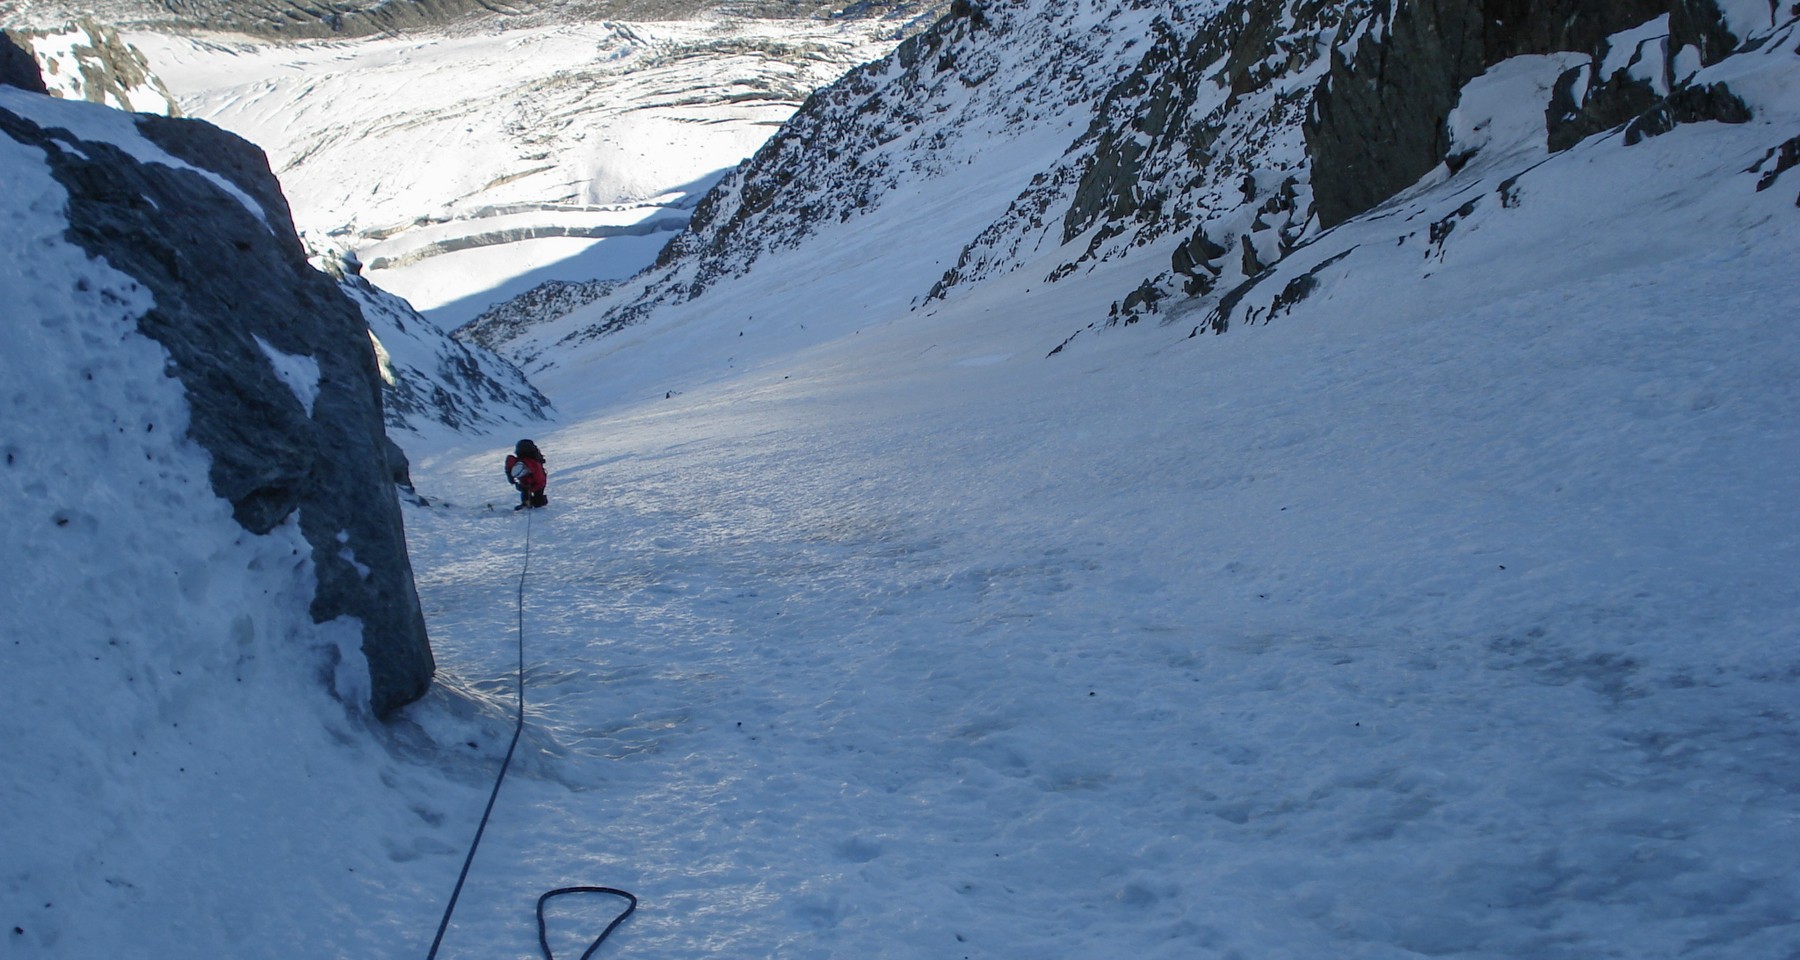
pixel 1223 140
pixel 553 298
pixel 976 78
pixel 86 60
pixel 430 380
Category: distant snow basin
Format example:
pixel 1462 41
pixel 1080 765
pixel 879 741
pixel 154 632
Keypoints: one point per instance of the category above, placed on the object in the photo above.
pixel 599 222
pixel 454 288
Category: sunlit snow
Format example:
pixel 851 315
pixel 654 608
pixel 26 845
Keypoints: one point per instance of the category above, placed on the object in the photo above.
pixel 1451 613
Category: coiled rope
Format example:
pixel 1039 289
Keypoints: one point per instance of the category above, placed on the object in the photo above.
pixel 519 728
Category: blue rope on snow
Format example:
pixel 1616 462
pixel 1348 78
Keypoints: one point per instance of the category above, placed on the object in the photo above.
pixel 519 728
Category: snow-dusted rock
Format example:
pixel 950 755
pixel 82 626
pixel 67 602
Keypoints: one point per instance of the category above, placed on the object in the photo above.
pixel 547 300
pixel 17 68
pixel 1225 137
pixel 429 379
pixel 282 386
pixel 88 60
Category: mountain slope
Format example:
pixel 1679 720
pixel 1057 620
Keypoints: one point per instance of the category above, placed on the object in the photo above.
pixel 429 380
pixel 1441 612
pixel 985 97
pixel 1230 138
pixel 1439 606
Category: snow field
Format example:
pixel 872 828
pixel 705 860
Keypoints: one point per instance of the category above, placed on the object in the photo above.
pixel 380 139
pixel 1449 613
pixel 1443 615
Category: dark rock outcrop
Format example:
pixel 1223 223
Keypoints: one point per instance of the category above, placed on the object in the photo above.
pixel 1701 24
pixel 1645 97
pixel 427 376
pixel 88 60
pixel 1379 116
pixel 234 295
pixel 1604 103
pixel 1694 104
pixel 18 68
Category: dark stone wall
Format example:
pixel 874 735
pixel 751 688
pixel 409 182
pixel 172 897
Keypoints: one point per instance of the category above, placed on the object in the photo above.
pixel 222 277
pixel 1701 25
pixel 18 68
pixel 1379 116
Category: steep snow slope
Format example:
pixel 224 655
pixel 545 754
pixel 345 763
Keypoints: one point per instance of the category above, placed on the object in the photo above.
pixel 1440 615
pixel 1205 140
pixel 1441 611
pixel 958 121
pixel 431 382
pixel 1444 610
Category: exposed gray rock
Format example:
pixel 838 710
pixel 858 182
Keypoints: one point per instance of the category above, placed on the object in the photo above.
pixel 224 277
pixel 1645 97
pixel 1779 160
pixel 427 376
pixel 1199 140
pixel 1693 104
pixel 1379 116
pixel 546 301
pixel 1701 24
pixel 1198 260
pixel 1605 103
pixel 400 469
pixel 87 60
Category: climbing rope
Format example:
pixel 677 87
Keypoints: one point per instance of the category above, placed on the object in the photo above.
pixel 544 937
pixel 519 728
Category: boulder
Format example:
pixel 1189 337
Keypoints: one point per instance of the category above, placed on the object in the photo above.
pixel 277 364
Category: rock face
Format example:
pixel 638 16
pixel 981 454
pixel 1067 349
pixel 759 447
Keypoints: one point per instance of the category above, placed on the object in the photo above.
pixel 428 378
pixel 1225 136
pixel 17 68
pixel 1379 121
pixel 276 362
pixel 552 298
pixel 85 60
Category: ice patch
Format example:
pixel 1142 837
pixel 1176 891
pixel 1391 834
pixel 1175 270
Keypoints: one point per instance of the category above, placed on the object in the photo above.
pixel 298 371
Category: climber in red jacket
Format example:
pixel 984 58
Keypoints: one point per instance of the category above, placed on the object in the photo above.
pixel 525 470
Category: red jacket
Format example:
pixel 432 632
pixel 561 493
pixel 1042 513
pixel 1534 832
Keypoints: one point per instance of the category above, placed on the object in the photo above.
pixel 526 474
